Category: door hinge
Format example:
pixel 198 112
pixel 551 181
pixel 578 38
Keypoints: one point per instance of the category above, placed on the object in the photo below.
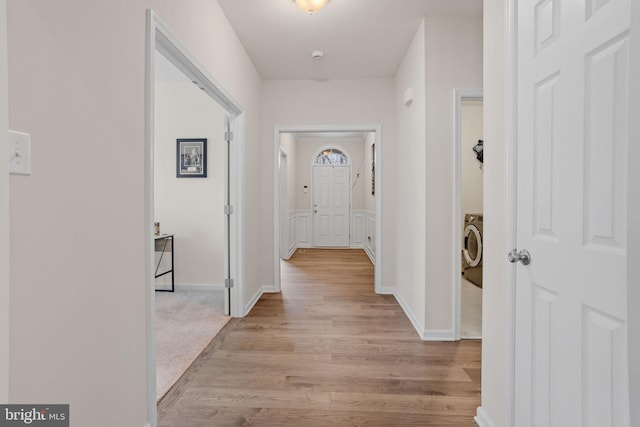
pixel 228 209
pixel 228 283
pixel 228 136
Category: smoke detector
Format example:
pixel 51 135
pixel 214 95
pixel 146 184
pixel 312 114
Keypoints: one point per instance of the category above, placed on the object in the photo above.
pixel 317 54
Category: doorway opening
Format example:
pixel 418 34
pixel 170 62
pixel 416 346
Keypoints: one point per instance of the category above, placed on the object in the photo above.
pixel 226 119
pixel 330 198
pixel 469 217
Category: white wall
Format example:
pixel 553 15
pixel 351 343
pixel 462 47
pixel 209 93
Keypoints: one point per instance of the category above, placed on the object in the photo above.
pixel 335 102
pixel 77 241
pixel 453 60
pixel 191 208
pixel 410 178
pixel 288 143
pixel 472 176
pixel 446 54
pixel 495 320
pixel 4 212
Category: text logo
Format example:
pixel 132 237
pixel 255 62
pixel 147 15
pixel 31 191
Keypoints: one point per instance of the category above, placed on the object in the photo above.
pixel 34 415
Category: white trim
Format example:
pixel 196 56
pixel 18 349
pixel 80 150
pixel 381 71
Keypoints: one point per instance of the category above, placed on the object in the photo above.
pixel 633 233
pixel 509 218
pixel 4 211
pixel 459 95
pixel 425 335
pixel 160 38
pixel 407 311
pixel 292 223
pixel 439 335
pixel 377 129
pixel 307 226
pixel 370 246
pixel 197 286
pixel 267 289
pixel 482 419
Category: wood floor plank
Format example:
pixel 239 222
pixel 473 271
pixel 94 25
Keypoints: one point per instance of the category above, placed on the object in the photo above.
pixel 326 351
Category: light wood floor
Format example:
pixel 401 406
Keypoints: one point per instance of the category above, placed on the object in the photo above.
pixel 327 351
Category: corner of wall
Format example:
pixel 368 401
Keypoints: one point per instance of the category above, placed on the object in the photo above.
pixel 482 419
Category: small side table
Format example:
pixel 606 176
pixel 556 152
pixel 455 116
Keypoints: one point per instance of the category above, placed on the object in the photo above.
pixel 164 244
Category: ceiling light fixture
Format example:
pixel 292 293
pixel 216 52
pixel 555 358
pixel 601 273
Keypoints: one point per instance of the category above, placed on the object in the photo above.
pixel 311 6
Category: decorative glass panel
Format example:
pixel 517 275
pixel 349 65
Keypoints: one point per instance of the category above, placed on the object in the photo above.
pixel 332 156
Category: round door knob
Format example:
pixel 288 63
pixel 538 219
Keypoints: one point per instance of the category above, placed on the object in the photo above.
pixel 523 256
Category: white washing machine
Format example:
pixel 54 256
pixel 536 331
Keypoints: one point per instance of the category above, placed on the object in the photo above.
pixel 472 250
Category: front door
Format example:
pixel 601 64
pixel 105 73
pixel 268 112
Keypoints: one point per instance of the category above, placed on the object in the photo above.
pixel 572 136
pixel 331 206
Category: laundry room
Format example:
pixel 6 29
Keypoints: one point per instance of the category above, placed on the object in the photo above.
pixel 472 157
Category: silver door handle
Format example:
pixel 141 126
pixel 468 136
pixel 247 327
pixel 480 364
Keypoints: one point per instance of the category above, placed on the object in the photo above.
pixel 523 256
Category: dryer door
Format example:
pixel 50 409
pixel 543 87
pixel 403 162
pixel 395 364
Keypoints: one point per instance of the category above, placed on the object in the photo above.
pixel 472 245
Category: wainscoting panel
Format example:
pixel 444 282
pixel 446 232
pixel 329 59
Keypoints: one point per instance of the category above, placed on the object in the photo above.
pixel 304 228
pixel 357 229
pixel 363 231
pixel 370 237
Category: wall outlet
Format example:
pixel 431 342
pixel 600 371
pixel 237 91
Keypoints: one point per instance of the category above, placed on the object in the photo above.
pixel 19 153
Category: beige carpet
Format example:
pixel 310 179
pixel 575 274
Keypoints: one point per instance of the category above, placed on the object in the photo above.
pixel 471 324
pixel 186 322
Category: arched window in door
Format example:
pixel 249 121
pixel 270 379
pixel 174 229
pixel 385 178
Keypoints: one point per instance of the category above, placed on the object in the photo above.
pixel 331 157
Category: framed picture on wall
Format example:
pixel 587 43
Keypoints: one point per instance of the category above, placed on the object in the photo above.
pixel 191 158
pixel 373 169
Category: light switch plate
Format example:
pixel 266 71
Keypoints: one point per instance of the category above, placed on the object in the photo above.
pixel 19 153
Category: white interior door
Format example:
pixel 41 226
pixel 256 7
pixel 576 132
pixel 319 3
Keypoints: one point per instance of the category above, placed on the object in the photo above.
pixel 572 136
pixel 331 205
pixel 284 207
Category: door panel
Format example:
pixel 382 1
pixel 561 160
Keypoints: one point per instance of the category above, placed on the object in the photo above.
pixel 332 200
pixel 573 84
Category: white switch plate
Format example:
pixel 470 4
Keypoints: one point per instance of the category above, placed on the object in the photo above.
pixel 19 153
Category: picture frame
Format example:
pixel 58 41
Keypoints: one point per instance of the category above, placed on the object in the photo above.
pixel 191 158
pixel 373 169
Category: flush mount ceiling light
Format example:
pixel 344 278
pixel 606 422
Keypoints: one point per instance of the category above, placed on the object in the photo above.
pixel 311 6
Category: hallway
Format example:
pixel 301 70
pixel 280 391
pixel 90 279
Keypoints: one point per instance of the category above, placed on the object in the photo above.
pixel 326 351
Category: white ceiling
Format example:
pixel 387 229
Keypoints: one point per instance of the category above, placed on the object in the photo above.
pixel 360 38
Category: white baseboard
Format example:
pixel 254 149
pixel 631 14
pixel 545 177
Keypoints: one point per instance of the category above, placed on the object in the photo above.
pixel 199 287
pixel 407 311
pixel 371 256
pixel 267 289
pixel 438 335
pixel 191 286
pixel 425 335
pixel 292 250
pixel 482 419
pixel 386 291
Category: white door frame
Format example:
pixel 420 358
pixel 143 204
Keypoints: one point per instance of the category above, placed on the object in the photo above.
pixel 459 95
pixel 633 211
pixel 160 38
pixel 4 209
pixel 377 129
